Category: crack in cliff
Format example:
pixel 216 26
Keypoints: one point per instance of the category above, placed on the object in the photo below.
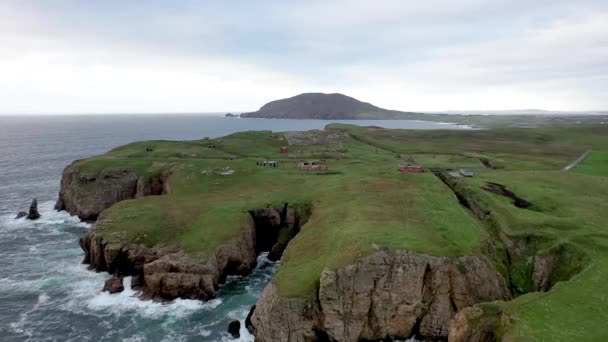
pixel 527 267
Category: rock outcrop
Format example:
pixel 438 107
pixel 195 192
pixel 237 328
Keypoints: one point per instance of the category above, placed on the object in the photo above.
pixel 164 272
pixel 275 227
pixel 234 329
pixel 385 295
pixel 20 214
pixel 33 214
pixel 113 285
pixel 86 194
pixel 473 324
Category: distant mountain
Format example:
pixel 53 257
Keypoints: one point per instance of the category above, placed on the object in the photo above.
pixel 322 106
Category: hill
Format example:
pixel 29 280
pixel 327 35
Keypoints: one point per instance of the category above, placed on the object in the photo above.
pixel 322 106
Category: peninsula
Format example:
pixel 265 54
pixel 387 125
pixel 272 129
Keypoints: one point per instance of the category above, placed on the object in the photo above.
pixel 466 235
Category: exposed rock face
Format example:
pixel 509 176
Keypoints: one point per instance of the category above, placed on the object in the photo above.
pixel 385 295
pixel 234 329
pixel 470 325
pixel 113 285
pixel 248 324
pixel 87 194
pixel 275 227
pixel 317 106
pixel 278 318
pixel 33 213
pixel 166 273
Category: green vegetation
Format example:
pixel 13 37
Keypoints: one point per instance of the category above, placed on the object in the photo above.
pixel 595 164
pixel 363 202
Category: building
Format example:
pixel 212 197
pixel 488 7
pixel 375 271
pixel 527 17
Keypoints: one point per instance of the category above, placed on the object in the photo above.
pixel 267 163
pixel 311 166
pixel 466 172
pixel 284 149
pixel 410 168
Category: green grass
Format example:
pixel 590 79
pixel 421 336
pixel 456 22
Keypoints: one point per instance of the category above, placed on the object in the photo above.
pixel 364 202
pixel 595 164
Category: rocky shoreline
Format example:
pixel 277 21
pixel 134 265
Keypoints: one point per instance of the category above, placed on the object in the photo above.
pixel 389 294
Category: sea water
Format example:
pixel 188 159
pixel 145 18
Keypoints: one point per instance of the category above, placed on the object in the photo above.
pixel 46 293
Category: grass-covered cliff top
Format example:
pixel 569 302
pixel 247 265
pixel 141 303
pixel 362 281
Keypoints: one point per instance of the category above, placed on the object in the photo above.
pixel 363 202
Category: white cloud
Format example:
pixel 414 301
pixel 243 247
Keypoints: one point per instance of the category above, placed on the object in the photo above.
pixel 390 53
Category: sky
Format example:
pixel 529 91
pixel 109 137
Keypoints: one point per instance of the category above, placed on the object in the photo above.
pixel 116 56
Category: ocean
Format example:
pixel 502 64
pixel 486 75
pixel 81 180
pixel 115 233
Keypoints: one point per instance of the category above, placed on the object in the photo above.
pixel 46 293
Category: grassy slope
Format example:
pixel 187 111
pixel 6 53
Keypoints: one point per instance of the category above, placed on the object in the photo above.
pixel 594 164
pixel 569 209
pixel 368 202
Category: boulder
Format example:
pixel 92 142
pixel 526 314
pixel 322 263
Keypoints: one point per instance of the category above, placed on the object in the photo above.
pixel 33 214
pixel 234 329
pixel 113 285
pixel 20 215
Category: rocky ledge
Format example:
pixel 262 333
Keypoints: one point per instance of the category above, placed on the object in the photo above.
pixel 166 272
pixel 385 295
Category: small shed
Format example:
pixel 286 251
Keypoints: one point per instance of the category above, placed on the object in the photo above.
pixel 410 168
pixel 466 172
pixel 311 166
pixel 284 149
pixel 267 163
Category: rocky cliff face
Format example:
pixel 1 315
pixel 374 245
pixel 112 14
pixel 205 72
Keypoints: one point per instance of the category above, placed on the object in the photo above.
pixel 474 325
pixel 87 194
pixel 385 295
pixel 166 273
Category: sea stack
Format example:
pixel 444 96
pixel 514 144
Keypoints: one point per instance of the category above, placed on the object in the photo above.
pixel 33 214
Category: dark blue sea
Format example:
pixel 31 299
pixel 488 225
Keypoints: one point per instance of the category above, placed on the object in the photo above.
pixel 46 294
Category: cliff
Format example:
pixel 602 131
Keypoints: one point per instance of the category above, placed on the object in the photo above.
pixel 321 106
pixel 87 193
pixel 166 272
pixel 385 295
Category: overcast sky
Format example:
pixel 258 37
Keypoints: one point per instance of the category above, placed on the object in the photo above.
pixel 62 56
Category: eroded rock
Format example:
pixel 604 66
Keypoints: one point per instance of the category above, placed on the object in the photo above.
pixel 234 329
pixel 113 285
pixel 385 295
pixel 164 272
pixel 33 213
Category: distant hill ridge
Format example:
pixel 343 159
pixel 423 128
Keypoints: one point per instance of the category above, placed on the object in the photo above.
pixel 322 106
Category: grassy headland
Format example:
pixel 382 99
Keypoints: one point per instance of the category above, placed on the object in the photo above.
pixel 363 202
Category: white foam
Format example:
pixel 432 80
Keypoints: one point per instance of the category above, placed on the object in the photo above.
pixel 48 217
pixel 87 294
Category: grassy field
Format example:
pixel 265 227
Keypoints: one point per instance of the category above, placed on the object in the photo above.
pixel 595 164
pixel 364 202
